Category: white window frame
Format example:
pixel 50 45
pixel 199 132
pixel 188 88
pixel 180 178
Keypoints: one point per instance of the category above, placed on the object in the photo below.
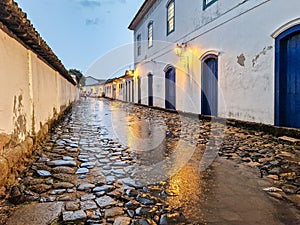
pixel 150 34
pixel 170 17
pixel 139 45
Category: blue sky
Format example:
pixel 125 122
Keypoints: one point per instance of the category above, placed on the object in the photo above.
pixel 82 31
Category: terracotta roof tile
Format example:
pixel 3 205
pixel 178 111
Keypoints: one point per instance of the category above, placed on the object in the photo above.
pixel 15 20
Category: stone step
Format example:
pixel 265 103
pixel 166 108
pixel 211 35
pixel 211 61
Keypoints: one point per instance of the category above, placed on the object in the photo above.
pixel 36 214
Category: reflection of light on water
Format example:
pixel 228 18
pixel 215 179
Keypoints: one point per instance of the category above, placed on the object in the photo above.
pixel 185 189
pixel 92 104
pixel 101 106
pixel 144 135
pixel 134 133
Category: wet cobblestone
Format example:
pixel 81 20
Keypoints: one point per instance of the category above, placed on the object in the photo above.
pixel 102 179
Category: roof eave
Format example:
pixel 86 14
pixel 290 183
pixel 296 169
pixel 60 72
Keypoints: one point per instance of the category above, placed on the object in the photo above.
pixel 141 13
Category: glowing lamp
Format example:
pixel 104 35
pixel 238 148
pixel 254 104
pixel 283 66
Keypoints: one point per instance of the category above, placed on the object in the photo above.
pixel 178 50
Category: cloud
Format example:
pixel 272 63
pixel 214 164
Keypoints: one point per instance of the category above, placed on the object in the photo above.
pixel 91 22
pixel 90 3
pixel 98 3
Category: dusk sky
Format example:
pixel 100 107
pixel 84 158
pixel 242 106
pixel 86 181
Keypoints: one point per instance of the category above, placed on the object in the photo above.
pixel 84 32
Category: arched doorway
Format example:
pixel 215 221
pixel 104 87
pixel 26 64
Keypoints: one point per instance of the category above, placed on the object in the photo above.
pixel 209 85
pixel 287 78
pixel 170 88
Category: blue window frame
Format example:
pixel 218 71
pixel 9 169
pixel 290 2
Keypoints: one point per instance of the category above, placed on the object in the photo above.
pixel 207 3
pixel 150 34
pixel 170 17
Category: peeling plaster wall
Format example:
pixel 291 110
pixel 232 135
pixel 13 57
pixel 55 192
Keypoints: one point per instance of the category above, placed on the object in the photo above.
pixel 33 94
pixel 239 31
pixel 15 97
pixel 30 90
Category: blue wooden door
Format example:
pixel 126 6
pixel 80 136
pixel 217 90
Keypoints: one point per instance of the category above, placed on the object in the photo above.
pixel 170 88
pixel 289 111
pixel 209 86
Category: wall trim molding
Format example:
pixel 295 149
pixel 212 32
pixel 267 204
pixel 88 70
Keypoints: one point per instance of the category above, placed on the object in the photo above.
pixel 167 67
pixel 285 27
pixel 210 52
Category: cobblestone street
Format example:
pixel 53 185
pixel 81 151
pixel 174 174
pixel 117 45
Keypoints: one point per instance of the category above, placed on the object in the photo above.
pixel 109 162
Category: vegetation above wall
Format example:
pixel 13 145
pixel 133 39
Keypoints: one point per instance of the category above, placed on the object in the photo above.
pixel 80 78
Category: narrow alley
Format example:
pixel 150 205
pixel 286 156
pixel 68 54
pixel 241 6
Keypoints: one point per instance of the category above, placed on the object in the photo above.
pixel 109 162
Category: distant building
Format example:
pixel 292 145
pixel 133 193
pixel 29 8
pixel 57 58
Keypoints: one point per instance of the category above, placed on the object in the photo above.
pixel 233 59
pixel 121 88
pixel 93 87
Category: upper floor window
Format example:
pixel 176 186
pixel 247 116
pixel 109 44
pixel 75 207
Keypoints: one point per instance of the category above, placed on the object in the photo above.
pixel 138 45
pixel 207 3
pixel 150 34
pixel 171 17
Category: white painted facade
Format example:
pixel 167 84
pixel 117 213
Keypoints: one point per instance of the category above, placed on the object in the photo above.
pixel 238 32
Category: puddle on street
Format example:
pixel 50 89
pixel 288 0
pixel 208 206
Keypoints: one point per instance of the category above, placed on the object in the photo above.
pixel 163 153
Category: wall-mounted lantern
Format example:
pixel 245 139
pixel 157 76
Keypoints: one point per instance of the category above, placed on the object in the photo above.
pixel 180 48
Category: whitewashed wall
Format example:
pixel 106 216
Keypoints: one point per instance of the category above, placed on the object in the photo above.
pixel 31 91
pixel 233 29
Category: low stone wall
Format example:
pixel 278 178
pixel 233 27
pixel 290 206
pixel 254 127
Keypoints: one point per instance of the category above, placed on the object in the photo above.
pixel 35 90
pixel 269 129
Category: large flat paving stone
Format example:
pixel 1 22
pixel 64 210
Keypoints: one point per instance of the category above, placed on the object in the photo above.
pixel 36 214
pixel 61 163
pixel 105 201
pixel 73 216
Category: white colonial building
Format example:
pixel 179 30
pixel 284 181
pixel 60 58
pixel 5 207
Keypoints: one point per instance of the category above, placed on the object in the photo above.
pixel 121 88
pixel 93 87
pixel 228 58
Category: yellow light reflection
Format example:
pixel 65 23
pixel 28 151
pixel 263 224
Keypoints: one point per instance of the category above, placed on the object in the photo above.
pixel 187 187
pixel 136 73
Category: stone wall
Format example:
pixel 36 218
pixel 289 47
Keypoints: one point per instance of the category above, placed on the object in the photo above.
pixel 35 90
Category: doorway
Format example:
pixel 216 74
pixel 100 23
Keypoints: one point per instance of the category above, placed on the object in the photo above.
pixel 209 86
pixel 287 78
pixel 170 88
